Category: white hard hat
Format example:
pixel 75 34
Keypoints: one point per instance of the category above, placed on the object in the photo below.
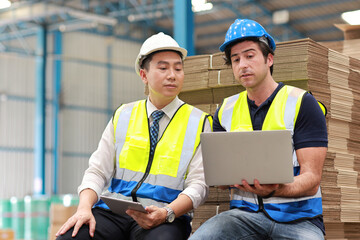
pixel 158 42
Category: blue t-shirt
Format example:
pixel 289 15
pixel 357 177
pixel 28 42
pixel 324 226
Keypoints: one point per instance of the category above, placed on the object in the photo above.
pixel 309 131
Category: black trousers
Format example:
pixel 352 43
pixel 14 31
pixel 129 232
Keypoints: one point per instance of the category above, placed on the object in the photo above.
pixel 110 226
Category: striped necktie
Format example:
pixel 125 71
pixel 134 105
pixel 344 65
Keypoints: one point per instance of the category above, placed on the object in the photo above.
pixel 154 129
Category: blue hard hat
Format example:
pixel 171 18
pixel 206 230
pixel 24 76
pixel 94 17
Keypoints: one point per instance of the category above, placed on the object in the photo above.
pixel 244 28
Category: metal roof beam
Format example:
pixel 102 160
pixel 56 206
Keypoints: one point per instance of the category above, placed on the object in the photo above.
pixel 290 31
pixel 21 39
pixel 19 51
pixel 45 10
pixel 310 5
pixel 2 47
pixel 322 30
pixel 315 18
pixel 287 26
pixel 215 22
pixel 124 12
pixel 2 29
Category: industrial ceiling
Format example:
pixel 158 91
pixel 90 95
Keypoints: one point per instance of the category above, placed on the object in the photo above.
pixel 137 19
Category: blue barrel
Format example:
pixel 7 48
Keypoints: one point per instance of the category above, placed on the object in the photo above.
pixel 5 214
pixel 18 217
pixel 36 217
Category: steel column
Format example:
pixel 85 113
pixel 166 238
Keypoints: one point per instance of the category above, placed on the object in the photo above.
pixel 39 161
pixel 56 107
pixel 109 80
pixel 184 25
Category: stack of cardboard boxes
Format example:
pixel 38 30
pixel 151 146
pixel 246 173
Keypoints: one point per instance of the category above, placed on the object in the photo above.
pixel 350 46
pixel 207 82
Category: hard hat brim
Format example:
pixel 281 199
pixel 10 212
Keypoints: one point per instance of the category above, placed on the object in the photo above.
pixel 183 51
pixel 225 44
pixel 271 43
pixel 242 29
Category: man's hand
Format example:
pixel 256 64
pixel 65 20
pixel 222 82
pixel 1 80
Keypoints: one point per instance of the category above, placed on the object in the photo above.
pixel 77 220
pixel 153 218
pixel 260 190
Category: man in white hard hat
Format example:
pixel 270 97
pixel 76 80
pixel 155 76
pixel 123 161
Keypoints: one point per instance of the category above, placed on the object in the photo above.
pixel 150 153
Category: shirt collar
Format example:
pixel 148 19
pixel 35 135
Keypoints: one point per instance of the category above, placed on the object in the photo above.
pixel 269 99
pixel 169 109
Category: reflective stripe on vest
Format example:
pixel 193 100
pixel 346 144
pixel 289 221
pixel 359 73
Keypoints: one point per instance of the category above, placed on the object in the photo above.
pixel 172 155
pixel 143 201
pixel 234 115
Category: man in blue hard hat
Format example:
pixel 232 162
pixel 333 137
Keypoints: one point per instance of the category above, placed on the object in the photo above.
pixel 270 211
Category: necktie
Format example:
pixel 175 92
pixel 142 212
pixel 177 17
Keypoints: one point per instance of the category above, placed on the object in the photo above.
pixel 154 129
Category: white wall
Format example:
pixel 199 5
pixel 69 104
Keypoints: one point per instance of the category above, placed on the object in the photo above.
pixel 97 76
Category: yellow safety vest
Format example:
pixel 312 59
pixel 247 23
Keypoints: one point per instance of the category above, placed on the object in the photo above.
pixel 164 180
pixel 234 115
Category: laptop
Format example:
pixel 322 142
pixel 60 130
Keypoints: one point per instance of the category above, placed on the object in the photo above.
pixel 230 157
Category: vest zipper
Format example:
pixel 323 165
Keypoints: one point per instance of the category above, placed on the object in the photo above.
pixel 261 204
pixel 148 167
pixel 136 188
pixel 147 171
pixel 262 209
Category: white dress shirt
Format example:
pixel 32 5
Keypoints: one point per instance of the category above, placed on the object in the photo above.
pixel 102 163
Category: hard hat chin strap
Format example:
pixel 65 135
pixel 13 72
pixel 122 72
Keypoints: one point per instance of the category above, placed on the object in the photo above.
pixel 264 40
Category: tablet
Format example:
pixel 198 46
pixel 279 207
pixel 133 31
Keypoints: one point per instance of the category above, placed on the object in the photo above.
pixel 120 206
pixel 230 157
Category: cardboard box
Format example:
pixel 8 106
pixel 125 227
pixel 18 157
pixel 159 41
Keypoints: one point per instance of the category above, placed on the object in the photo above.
pixel 59 214
pixel 195 81
pixel 206 211
pixel 350 31
pixel 199 63
pixel 7 234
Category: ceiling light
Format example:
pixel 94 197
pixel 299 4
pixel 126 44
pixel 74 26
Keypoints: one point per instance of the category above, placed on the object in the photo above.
pixel 281 17
pixel 353 17
pixel 201 5
pixel 4 4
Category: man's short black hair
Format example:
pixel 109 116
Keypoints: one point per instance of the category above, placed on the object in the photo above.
pixel 265 49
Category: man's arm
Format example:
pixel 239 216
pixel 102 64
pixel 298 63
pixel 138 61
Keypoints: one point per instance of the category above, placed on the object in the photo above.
pixel 83 214
pixel 311 162
pixel 99 173
pixel 156 216
pixel 101 163
pixel 310 142
pixel 194 194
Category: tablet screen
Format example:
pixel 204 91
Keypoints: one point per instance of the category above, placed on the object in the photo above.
pixel 120 206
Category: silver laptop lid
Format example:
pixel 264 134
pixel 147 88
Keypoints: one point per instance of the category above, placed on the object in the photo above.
pixel 230 157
